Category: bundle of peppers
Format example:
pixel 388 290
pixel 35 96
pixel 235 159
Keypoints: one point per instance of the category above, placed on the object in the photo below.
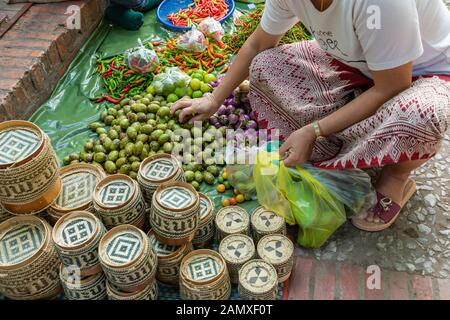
pixel 197 11
pixel 214 58
pixel 248 23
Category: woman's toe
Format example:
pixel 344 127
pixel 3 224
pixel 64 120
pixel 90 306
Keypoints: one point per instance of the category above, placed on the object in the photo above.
pixel 370 216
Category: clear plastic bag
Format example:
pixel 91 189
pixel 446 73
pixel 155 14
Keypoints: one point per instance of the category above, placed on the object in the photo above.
pixel 192 41
pixel 317 200
pixel 212 28
pixel 169 81
pixel 141 59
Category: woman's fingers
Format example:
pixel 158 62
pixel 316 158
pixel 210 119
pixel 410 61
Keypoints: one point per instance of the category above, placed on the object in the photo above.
pixel 291 160
pixel 199 117
pixel 285 147
pixel 180 104
pixel 189 111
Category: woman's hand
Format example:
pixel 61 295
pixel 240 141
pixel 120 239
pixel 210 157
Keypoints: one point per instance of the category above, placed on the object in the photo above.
pixel 298 147
pixel 200 109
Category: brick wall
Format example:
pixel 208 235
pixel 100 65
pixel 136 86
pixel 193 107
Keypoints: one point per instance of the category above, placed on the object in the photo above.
pixel 36 52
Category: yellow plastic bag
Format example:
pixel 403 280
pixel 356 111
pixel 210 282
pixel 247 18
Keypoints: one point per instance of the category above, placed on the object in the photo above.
pixel 298 197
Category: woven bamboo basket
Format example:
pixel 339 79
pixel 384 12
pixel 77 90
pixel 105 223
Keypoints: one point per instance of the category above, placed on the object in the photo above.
pixel 175 212
pixel 4 215
pixel 29 171
pixel 204 276
pixel 118 201
pixel 266 222
pixel 236 250
pixel 206 229
pixel 148 293
pixel 158 169
pixel 231 220
pixel 78 287
pixel 258 281
pixel 29 263
pixel 169 259
pixel 76 237
pixel 278 250
pixel 127 258
pixel 78 185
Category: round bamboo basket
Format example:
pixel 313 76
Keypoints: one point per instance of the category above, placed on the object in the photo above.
pixel 206 229
pixel 127 258
pixel 77 287
pixel 29 263
pixel 29 171
pixel 258 281
pixel 4 215
pixel 266 222
pixel 236 250
pixel 169 259
pixel 158 169
pixel 78 185
pixel 204 276
pixel 148 293
pixel 118 201
pixel 231 220
pixel 175 211
pixel 76 236
pixel 278 250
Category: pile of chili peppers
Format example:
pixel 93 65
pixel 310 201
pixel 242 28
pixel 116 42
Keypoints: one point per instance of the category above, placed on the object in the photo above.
pixel 248 23
pixel 215 58
pixel 197 11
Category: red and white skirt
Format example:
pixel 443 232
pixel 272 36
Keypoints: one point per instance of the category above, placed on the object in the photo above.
pixel 293 85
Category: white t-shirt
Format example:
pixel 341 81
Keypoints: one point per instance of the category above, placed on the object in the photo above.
pixel 372 34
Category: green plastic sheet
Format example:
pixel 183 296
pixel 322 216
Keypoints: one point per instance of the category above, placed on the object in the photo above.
pixel 66 114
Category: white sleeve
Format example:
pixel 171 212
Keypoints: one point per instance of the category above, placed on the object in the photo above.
pixel 389 32
pixel 277 18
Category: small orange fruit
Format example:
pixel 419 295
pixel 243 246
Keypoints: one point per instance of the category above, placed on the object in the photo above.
pixel 233 201
pixel 240 198
pixel 236 192
pixel 225 203
pixel 221 188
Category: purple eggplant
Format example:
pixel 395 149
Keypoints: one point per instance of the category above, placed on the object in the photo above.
pixel 233 119
pixel 222 110
pixel 223 119
pixel 251 125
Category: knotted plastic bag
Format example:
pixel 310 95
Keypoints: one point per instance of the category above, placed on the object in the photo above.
pixel 212 28
pixel 142 59
pixel 192 41
pixel 171 80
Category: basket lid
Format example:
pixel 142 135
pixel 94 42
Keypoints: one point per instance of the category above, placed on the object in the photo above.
pixel 114 191
pixel 176 196
pixel 202 266
pixel 20 239
pixel 258 276
pixel 237 248
pixel 266 220
pixel 159 168
pixel 275 248
pixel 206 206
pixel 232 219
pixel 75 229
pixel 78 184
pixel 18 141
pixel 122 246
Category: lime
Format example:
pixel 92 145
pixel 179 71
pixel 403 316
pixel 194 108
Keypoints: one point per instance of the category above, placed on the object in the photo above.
pixel 197 75
pixel 197 94
pixel 158 86
pixel 164 112
pixel 195 84
pixel 180 92
pixel 168 88
pixel 189 91
pixel 205 88
pixel 209 78
pixel 172 97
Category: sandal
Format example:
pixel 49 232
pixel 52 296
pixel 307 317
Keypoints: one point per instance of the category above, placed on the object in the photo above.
pixel 385 209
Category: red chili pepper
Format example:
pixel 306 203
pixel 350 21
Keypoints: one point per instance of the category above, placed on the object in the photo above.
pixel 112 100
pixel 157 43
pixel 100 100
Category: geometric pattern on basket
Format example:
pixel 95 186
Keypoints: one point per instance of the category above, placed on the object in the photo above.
pixel 76 190
pixel 163 249
pixel 159 170
pixel 115 193
pixel 203 269
pixel 233 218
pixel 203 208
pixel 176 198
pixel 267 217
pixel 16 145
pixel 238 248
pixel 257 276
pixel 77 231
pixel 123 248
pixel 274 249
pixel 20 243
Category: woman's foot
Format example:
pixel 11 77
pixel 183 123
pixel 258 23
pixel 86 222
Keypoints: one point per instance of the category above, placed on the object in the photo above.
pixel 126 18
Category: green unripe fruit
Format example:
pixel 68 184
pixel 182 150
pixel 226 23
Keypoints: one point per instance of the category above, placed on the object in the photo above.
pixel 125 169
pixel 100 157
pixel 110 167
pixel 129 149
pixel 124 124
pixel 132 133
pixel 113 155
pixel 198 176
pixel 196 185
pixel 208 177
pixel 189 176
pixel 66 160
pixel 132 117
pixel 142 137
pixel 121 161
pixel 100 131
pixel 132 175
pixel 138 147
pixel 154 146
pixel 135 166
pixel 95 125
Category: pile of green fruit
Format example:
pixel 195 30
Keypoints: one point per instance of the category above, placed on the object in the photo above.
pixel 141 126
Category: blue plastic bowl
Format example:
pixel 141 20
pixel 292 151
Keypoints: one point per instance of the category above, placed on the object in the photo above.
pixel 171 6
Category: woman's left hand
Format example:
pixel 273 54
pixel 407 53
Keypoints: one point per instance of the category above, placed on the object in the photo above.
pixel 298 147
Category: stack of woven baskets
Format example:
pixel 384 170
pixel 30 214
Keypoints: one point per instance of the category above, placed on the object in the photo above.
pixel 29 183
